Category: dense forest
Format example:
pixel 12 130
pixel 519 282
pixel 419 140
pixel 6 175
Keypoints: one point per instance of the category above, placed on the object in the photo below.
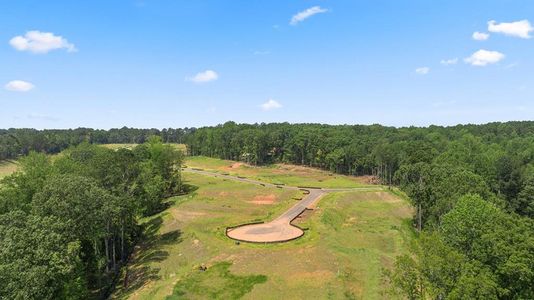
pixel 69 222
pixel 472 187
pixel 16 142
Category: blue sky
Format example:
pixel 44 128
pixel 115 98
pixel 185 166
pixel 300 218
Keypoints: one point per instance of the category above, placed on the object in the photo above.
pixel 168 63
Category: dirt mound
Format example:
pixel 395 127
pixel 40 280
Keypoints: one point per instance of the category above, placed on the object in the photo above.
pixel 236 165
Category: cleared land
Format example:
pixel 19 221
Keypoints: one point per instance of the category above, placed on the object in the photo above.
pixel 180 147
pixel 279 173
pixel 352 236
pixel 118 146
pixel 280 229
pixel 7 167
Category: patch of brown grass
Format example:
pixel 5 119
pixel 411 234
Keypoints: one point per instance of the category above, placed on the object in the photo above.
pixel 7 167
pixel 264 199
pixel 236 165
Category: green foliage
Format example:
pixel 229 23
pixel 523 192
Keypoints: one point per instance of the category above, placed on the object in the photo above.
pixel 153 188
pixel 470 221
pixel 37 261
pixel 524 204
pixel 406 279
pixel 17 142
pixel 216 283
pixel 478 252
pixel 17 190
pixel 67 226
pixel 441 272
pixel 159 174
pixel 77 201
pixel 500 242
pixel 475 283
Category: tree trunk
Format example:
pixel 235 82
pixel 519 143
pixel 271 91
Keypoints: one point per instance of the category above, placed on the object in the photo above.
pixel 95 247
pixel 106 242
pixel 114 254
pixel 122 242
pixel 419 217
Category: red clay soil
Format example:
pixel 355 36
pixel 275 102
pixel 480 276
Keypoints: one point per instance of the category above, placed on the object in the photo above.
pixel 264 200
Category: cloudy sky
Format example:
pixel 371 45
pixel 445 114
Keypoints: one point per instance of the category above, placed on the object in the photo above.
pixel 168 63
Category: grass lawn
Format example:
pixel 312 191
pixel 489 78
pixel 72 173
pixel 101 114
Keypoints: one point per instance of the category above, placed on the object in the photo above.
pixel 278 173
pixel 352 236
pixel 7 167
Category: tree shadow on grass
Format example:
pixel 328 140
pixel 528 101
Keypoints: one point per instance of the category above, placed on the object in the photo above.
pixel 169 201
pixel 189 188
pixel 141 269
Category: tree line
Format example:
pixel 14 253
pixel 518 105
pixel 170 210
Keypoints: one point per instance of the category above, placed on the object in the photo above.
pixel 19 142
pixel 472 187
pixel 69 222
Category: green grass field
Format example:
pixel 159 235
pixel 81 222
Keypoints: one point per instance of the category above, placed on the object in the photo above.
pixel 7 167
pixel 278 173
pixel 351 237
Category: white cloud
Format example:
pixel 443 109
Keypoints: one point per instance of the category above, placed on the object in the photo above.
pixel 270 105
pixel 202 77
pixel 19 86
pixel 519 29
pixel 480 36
pixel 450 61
pixel 422 70
pixel 484 57
pixel 303 15
pixel 41 42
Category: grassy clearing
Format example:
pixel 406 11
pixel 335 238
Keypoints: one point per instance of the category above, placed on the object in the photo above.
pixel 7 167
pixel 278 173
pixel 352 236
pixel 216 283
pixel 180 147
pixel 193 231
pixel 365 232
pixel 118 146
